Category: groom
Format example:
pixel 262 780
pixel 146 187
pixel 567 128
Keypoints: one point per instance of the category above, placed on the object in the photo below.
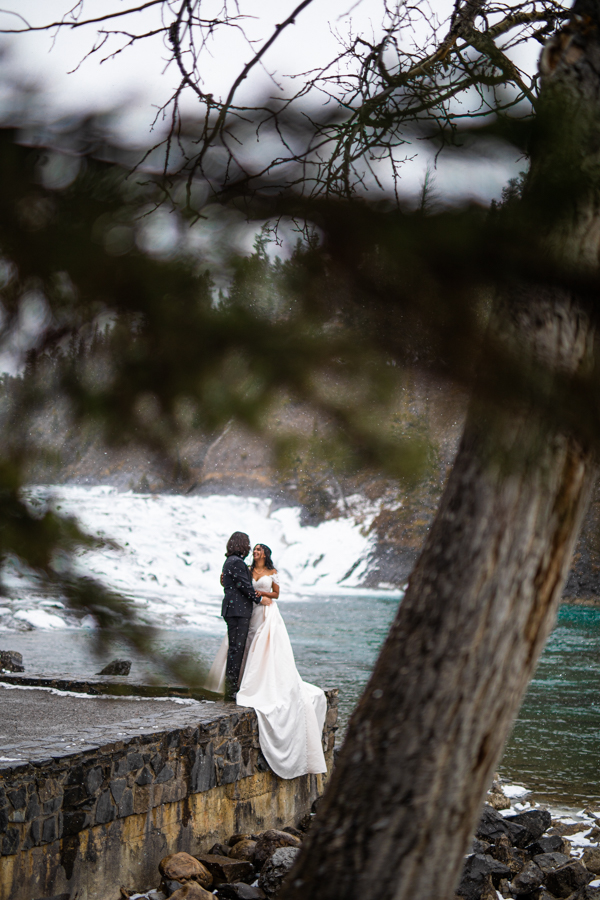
pixel 238 604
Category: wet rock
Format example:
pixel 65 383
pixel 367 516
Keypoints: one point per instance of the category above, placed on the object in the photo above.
pixel 182 867
pixel 192 891
pixel 527 880
pixel 240 891
pixel 534 821
pixel 236 838
pixel 276 868
pixel 552 843
pixel 11 661
pixel 226 870
pixel 475 872
pixel 591 859
pixel 219 850
pixel 269 842
pixel 243 850
pixel 550 861
pixel 492 826
pixel 504 852
pixel 117 667
pixel 568 878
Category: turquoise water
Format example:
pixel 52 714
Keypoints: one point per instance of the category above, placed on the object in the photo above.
pixel 554 748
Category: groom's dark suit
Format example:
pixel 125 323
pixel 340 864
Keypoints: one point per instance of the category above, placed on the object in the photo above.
pixel 238 604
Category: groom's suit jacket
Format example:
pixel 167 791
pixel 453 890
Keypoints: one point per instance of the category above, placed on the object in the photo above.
pixel 240 596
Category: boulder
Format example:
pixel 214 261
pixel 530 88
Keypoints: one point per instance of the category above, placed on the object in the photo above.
pixel 504 852
pixel 117 667
pixel 534 821
pixel 219 850
pixel 305 822
pixel 169 887
pixel 295 831
pixel 492 825
pixel 192 891
pixel 236 838
pixel 567 879
pixel 11 661
pixel 243 850
pixel 276 868
pixel 552 843
pixel 269 842
pixel 527 880
pixel 182 867
pixel 591 859
pixel 475 872
pixel 240 891
pixel 550 861
pixel 225 870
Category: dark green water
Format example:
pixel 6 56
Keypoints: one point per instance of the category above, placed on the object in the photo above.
pixel 555 745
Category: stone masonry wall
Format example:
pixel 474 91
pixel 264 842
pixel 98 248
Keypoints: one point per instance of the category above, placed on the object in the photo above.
pixel 80 823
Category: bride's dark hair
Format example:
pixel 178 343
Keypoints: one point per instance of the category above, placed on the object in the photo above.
pixel 268 560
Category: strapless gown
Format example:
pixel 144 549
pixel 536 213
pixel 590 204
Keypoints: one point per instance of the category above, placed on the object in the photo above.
pixel 290 712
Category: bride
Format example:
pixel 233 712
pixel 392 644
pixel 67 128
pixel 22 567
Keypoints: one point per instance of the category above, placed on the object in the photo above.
pixel 290 712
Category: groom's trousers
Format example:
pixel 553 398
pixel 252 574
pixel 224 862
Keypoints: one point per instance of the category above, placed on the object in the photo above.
pixel 237 633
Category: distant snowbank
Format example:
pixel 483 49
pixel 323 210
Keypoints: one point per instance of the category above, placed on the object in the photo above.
pixel 172 550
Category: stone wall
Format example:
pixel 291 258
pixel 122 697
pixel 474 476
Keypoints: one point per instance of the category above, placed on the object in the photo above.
pixel 80 823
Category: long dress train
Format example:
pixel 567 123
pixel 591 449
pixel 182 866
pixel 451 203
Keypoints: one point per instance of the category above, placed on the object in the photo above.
pixel 291 712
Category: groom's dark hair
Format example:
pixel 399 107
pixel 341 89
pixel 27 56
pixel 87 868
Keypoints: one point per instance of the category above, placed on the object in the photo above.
pixel 238 544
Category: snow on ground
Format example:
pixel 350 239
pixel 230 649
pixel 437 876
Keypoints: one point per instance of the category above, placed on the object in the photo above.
pixel 172 550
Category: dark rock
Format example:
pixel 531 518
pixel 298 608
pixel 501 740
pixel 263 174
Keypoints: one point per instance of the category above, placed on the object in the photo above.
pixel 240 891
pixel 18 798
pixel 49 830
pixel 10 842
pixel 552 843
pixel 226 870
pixel 243 850
pixel 504 887
pixel 169 887
pixel 270 841
pixel 549 861
pixel 182 867
pixel 475 872
pixel 586 893
pixel 504 852
pixel 527 880
pixel 480 846
pixel 534 821
pixel 316 804
pixel 219 850
pixel 568 878
pixel 488 891
pixel 276 868
pixel 165 774
pixel 105 809
pixel 11 661
pixel 117 667
pixel 492 826
pixel 93 780
pixel 145 777
pixel 74 822
pixel 295 831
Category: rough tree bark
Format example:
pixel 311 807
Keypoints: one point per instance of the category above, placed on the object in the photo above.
pixel 429 730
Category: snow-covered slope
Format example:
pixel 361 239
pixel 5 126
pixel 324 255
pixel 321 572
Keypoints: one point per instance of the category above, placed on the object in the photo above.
pixel 172 549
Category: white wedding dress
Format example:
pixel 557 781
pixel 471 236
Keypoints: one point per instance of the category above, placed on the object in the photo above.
pixel 291 712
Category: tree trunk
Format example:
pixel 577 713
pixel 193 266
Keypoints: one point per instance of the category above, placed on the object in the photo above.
pixel 429 730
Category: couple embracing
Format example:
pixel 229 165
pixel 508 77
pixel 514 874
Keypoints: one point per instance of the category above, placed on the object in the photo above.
pixel 255 665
